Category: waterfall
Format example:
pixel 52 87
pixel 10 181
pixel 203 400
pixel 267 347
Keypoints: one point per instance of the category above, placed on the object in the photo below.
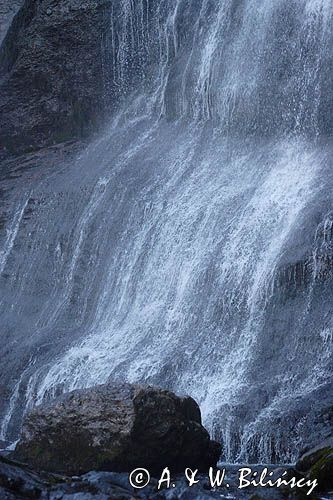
pixel 190 245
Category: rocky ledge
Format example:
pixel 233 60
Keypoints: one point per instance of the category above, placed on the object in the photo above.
pixel 84 445
pixel 116 427
pixel 18 481
pixel 317 463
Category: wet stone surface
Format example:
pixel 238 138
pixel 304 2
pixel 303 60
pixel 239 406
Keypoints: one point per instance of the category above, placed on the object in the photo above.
pixel 19 482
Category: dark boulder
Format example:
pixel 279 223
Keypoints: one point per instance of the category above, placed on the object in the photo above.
pixel 317 463
pixel 118 428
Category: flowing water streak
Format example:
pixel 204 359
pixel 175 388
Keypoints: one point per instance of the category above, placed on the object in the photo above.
pixel 12 233
pixel 14 399
pixel 78 238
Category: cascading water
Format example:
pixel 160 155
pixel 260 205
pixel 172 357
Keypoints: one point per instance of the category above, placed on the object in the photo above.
pixel 191 245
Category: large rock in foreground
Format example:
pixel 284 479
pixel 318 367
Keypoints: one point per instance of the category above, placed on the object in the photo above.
pixel 317 463
pixel 118 428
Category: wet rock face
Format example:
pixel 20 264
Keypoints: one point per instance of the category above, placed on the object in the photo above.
pixel 8 9
pixel 317 463
pixel 118 428
pixel 51 73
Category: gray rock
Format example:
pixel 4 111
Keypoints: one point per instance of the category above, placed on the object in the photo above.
pixel 8 9
pixel 317 463
pixel 63 72
pixel 17 481
pixel 116 427
pixel 51 73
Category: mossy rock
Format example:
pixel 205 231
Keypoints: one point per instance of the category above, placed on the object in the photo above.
pixel 322 470
pixel 317 463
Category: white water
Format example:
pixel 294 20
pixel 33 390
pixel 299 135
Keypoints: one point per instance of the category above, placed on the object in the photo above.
pixel 12 233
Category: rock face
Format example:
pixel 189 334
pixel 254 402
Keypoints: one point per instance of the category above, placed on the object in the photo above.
pixel 317 463
pixel 66 65
pixel 118 428
pixel 8 9
pixel 51 73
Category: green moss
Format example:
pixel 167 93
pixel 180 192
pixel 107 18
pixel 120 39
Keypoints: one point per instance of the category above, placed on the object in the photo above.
pixel 326 455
